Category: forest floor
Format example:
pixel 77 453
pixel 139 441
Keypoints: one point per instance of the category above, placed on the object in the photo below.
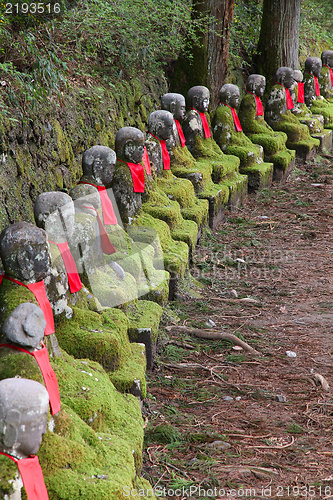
pixel 221 422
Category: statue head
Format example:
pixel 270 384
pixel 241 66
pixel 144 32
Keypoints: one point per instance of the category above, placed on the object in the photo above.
pixel 298 75
pixel 327 58
pixel 313 65
pixel 175 103
pixel 85 195
pixel 198 98
pixel 24 406
pixel 160 124
pixel 130 144
pixel 229 94
pixel 24 251
pixel 284 75
pixel 256 84
pixel 99 163
pixel 25 326
pixel 54 212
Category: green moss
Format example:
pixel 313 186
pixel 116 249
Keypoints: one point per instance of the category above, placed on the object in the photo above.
pixel 259 176
pixel 14 363
pixel 65 150
pixel 8 472
pixel 133 370
pixel 144 314
pixel 85 335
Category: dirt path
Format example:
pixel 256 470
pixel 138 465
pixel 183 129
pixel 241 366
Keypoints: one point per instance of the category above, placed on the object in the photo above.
pixel 231 425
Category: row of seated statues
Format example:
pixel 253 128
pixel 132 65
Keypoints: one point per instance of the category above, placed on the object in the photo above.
pixel 85 285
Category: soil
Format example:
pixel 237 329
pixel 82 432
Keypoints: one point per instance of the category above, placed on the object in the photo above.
pixel 223 423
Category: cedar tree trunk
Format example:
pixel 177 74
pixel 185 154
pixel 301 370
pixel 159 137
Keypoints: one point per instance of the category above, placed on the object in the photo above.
pixel 279 36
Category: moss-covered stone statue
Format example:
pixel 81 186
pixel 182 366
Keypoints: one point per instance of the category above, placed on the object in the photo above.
pixel 313 98
pixel 215 176
pixel 251 117
pixel 229 135
pixel 326 75
pixel 279 116
pixel 97 433
pixel 315 123
pixel 176 105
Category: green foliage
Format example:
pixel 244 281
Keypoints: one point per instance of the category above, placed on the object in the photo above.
pixel 245 31
pixel 315 28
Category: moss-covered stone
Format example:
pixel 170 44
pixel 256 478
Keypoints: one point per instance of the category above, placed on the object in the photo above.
pixel 273 142
pixel 281 119
pixel 325 84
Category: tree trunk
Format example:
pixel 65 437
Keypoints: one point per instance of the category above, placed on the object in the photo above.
pixel 208 65
pixel 279 36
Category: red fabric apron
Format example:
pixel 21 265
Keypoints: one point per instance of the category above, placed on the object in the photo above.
pixel 180 133
pixel 316 85
pixel 204 122
pixel 289 100
pixel 138 176
pixel 331 73
pixel 146 162
pixel 106 244
pixel 38 289
pixel 74 280
pixel 32 477
pixel 235 118
pixel 260 109
pixel 165 153
pixel 300 94
pixel 109 216
pixel 50 378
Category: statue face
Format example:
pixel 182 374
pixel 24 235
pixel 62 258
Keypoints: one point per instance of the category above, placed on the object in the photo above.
pixel 164 130
pixel 25 325
pixel 201 103
pixel 55 218
pixel 103 168
pixel 23 416
pixel 179 110
pixel 133 151
pixel 234 99
pixel 260 88
pixel 25 252
pixel 330 59
pixel 288 80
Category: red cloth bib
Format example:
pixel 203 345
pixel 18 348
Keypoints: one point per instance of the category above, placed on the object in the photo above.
pixel 146 162
pixel 180 133
pixel 259 106
pixel 50 378
pixel 138 176
pixel 235 118
pixel 331 73
pixel 204 122
pixel 289 100
pixel 300 94
pixel 1 278
pixel 109 216
pixel 316 85
pixel 165 153
pixel 32 477
pixel 38 289
pixel 74 280
pixel 106 244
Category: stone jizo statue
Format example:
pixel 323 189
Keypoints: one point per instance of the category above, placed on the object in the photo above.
pixel 312 92
pixel 54 212
pixel 229 135
pixel 98 165
pixel 195 122
pixel 175 103
pixel 24 251
pixel 25 326
pixel 251 116
pixel 326 75
pixel 24 407
pixel 279 115
pixel 160 129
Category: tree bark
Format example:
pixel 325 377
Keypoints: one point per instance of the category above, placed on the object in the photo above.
pixel 279 36
pixel 208 65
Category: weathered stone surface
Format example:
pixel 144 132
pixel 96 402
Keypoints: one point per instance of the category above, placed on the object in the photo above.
pixel 25 326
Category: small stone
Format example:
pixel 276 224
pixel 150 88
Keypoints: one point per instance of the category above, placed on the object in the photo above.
pixel 291 354
pixel 227 398
pixel 240 261
pixel 237 348
pixel 280 398
pixel 233 294
pixel 219 445
pixel 210 322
